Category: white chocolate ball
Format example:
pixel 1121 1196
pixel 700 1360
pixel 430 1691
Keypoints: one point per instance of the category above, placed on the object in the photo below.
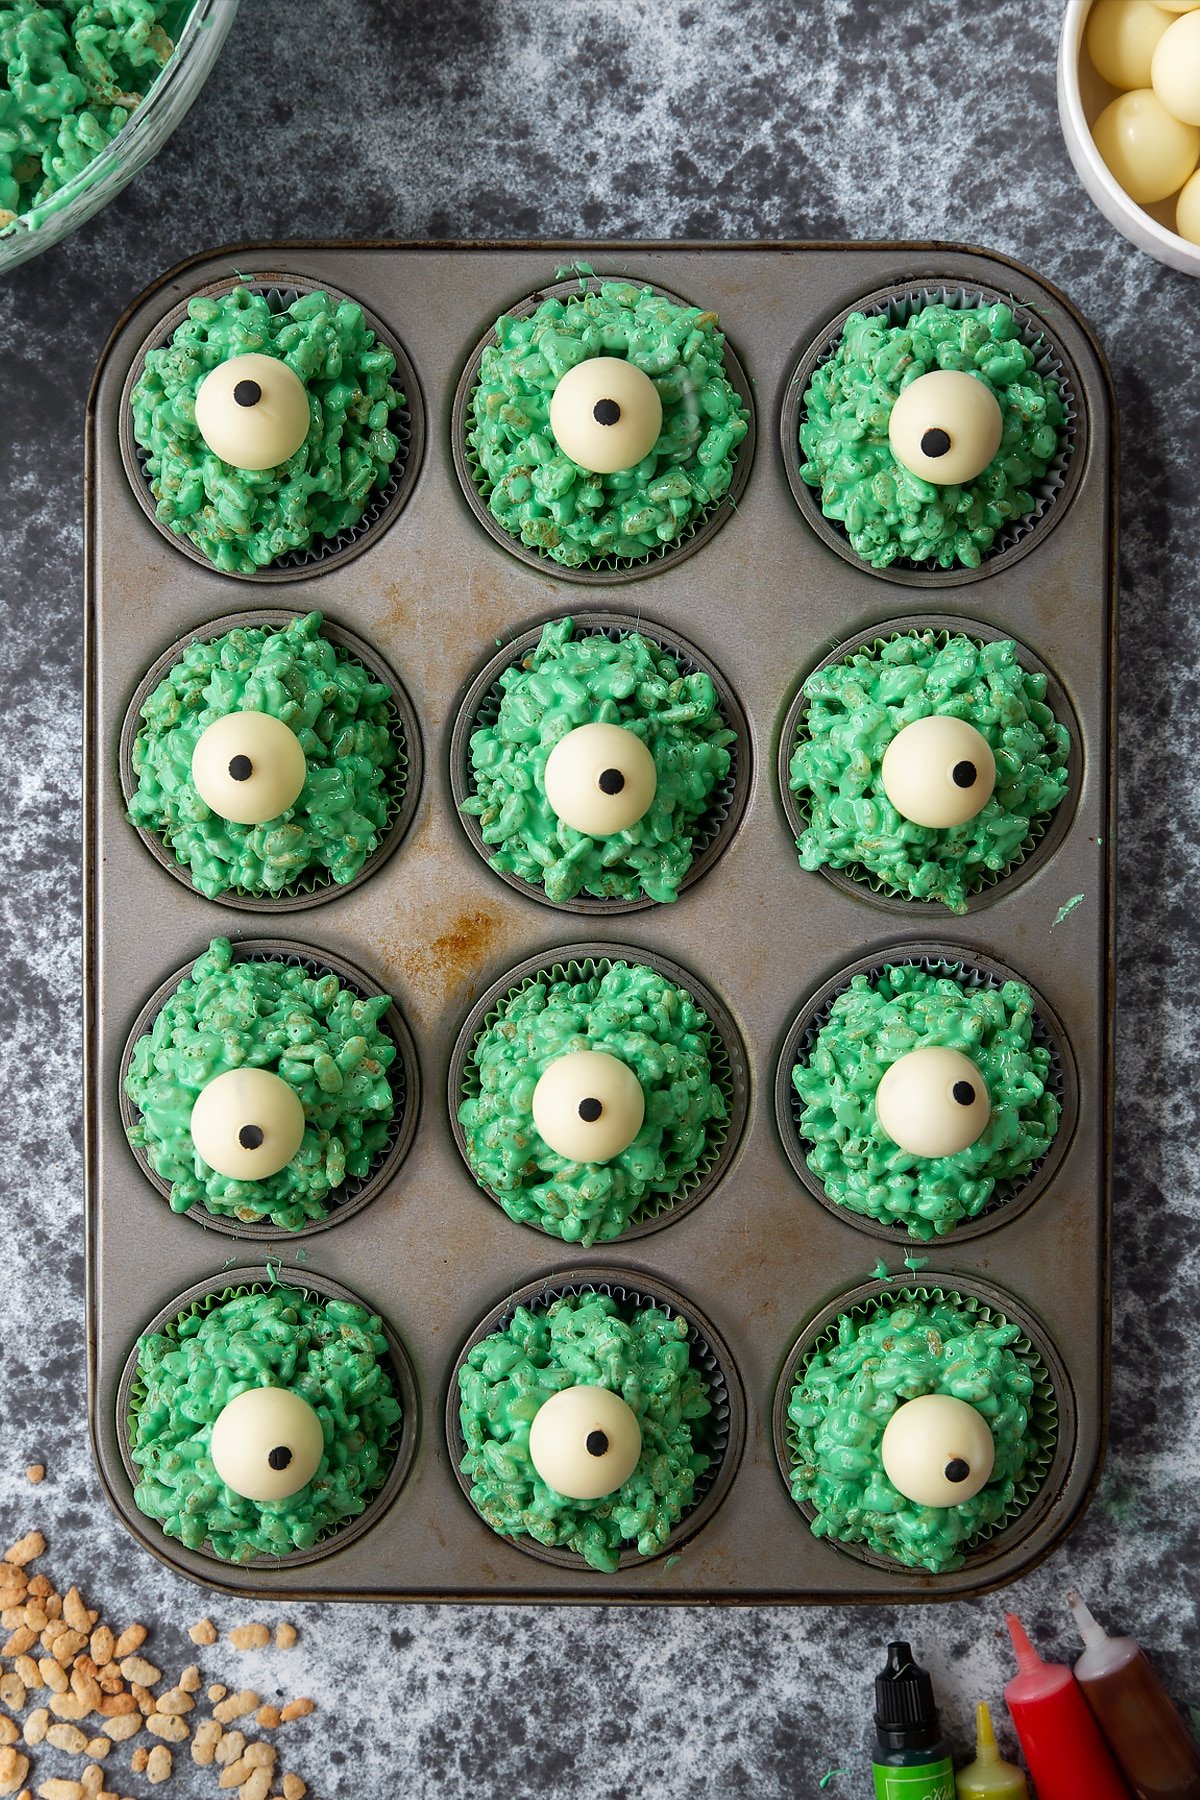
pixel 252 411
pixel 1148 153
pixel 588 1106
pixel 1121 35
pixel 937 1450
pixel 1175 70
pixel 933 1102
pixel 600 779
pixel 938 771
pixel 247 1124
pixel 249 767
pixel 267 1443
pixel 606 414
pixel 945 426
pixel 1187 210
pixel 584 1442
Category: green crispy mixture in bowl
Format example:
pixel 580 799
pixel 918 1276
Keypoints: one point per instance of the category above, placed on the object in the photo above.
pixel 857 706
pixel 71 73
pixel 331 1352
pixel 533 489
pixel 347 726
pixel 870 1025
pixel 856 1376
pixel 888 512
pixel 246 519
pixel 641 1353
pixel 324 1040
pixel 628 1011
pixel 568 681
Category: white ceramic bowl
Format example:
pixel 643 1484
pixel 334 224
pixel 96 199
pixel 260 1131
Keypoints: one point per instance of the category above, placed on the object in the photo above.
pixel 1082 96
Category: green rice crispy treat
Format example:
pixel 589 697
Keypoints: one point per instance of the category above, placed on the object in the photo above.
pixel 534 490
pixel 848 1389
pixel 72 73
pixel 642 1355
pixel 244 519
pixel 316 1035
pixel 656 1029
pixel 887 511
pixel 856 707
pixel 873 1023
pixel 344 720
pixel 566 682
pixel 330 1352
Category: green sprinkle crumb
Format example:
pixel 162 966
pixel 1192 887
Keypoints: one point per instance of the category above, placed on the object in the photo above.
pixel 1066 909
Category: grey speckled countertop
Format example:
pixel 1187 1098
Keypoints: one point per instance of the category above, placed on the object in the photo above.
pixel 376 118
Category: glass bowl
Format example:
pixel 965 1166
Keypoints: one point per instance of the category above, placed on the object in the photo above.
pixel 143 136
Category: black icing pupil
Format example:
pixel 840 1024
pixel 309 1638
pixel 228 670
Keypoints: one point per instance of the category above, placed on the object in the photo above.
pixel 250 1137
pixel 964 774
pixel 606 412
pixel 964 1093
pixel 247 393
pixel 281 1456
pixel 240 768
pixel 596 1443
pixel 590 1110
pixel 957 1469
pixel 611 781
pixel 935 442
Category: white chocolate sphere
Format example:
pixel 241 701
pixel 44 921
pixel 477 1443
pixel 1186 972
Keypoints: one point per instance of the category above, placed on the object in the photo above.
pixel 600 779
pixel 1121 35
pixel 584 1442
pixel 267 1443
pixel 945 426
pixel 933 1102
pixel 588 1106
pixel 1148 153
pixel 247 1124
pixel 606 414
pixel 937 1450
pixel 1175 69
pixel 252 411
pixel 1187 210
pixel 249 767
pixel 938 771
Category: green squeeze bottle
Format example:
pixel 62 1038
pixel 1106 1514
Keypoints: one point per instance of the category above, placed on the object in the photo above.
pixel 912 1759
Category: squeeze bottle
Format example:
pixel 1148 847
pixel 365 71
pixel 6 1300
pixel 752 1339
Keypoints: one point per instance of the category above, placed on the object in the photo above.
pixel 988 1777
pixel 1145 1733
pixel 912 1759
pixel 1067 1757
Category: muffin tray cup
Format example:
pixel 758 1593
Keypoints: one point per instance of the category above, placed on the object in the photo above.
pixel 764 599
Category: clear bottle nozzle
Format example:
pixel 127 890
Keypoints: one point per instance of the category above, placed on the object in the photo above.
pixel 1092 1633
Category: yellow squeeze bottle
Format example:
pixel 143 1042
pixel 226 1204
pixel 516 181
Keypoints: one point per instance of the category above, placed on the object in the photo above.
pixel 988 1777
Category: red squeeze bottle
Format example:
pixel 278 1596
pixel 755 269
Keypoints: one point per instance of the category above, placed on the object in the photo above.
pixel 1067 1757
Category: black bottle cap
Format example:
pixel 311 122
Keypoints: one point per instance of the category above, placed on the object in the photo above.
pixel 906 1717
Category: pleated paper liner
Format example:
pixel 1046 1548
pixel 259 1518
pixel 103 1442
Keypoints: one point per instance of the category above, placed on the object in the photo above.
pixel 401 789
pixel 1051 495
pixel 1052 1424
pixel 1046 832
pixel 607 570
pixel 721 1434
pixel 580 962
pixel 971 969
pixel 711 833
pixel 403 1076
pixel 384 504
pixel 260 1279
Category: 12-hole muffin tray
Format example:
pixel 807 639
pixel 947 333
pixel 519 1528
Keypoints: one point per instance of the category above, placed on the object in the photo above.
pixel 761 595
